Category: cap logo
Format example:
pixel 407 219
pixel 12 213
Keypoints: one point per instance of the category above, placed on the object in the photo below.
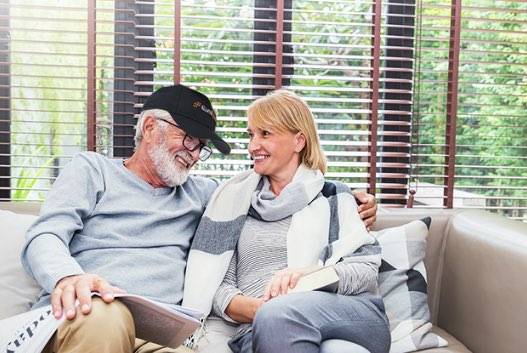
pixel 198 104
pixel 208 111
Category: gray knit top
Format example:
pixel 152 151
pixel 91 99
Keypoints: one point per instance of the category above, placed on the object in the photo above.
pixel 101 218
pixel 262 250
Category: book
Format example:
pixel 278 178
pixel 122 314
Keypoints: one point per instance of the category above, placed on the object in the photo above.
pixel 324 279
pixel 28 332
pixel 155 322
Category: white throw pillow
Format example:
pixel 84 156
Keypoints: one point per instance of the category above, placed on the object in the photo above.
pixel 18 291
pixel 402 284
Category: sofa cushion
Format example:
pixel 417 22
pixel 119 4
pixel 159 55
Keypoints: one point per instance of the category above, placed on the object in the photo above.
pixel 18 291
pixel 402 283
pixel 393 217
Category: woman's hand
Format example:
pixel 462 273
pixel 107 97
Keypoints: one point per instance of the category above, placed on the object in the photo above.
pixel 367 207
pixel 284 280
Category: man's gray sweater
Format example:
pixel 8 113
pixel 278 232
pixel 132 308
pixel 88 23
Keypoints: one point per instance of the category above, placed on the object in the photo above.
pixel 101 218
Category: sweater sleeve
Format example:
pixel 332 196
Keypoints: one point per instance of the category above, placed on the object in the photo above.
pixel 358 272
pixel 226 291
pixel 73 197
pixel 356 254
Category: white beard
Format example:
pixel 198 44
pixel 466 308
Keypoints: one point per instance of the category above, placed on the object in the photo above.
pixel 166 166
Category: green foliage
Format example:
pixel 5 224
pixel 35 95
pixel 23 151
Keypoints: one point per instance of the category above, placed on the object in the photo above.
pixel 491 155
pixel 331 44
pixel 28 178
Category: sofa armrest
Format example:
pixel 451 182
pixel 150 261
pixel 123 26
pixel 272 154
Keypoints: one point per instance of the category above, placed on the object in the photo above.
pixel 483 298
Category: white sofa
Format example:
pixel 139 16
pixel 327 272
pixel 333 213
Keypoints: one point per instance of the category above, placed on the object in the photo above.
pixel 476 264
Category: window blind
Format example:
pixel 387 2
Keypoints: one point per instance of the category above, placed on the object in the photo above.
pixel 490 169
pixel 424 97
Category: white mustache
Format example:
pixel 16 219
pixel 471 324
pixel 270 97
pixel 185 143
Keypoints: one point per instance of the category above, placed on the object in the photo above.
pixel 185 157
pixel 171 173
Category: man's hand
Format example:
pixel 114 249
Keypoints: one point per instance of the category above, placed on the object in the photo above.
pixel 367 207
pixel 71 288
pixel 284 280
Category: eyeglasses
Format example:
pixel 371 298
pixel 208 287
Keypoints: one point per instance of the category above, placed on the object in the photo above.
pixel 193 143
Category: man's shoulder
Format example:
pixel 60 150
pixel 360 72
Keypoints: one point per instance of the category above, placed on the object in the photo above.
pixel 201 182
pixel 90 165
pixel 201 185
pixel 93 160
pixel 90 157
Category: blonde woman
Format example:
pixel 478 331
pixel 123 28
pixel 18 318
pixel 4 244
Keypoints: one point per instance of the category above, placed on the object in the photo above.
pixel 267 227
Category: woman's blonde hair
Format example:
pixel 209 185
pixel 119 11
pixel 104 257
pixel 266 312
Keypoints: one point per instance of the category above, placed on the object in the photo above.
pixel 285 111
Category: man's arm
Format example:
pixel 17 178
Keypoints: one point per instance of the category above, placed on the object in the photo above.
pixel 46 255
pixel 80 287
pixel 367 207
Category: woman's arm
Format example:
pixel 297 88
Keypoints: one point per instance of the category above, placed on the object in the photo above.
pixel 227 290
pixel 229 302
pixel 284 280
pixel 242 308
pixel 358 272
pixel 356 255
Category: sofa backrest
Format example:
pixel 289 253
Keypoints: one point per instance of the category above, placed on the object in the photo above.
pixel 476 264
pixel 18 291
pixel 21 207
pixel 484 284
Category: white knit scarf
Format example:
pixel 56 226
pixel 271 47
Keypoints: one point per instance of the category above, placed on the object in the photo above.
pixel 326 230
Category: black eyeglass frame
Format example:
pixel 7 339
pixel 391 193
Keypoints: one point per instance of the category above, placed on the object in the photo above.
pixel 204 151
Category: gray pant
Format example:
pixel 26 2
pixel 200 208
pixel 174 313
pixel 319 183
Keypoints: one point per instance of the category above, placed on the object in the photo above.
pixel 298 323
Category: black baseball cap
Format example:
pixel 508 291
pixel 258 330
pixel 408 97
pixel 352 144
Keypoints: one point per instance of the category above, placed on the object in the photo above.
pixel 191 110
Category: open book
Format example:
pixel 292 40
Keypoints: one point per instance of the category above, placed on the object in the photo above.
pixel 324 279
pixel 154 322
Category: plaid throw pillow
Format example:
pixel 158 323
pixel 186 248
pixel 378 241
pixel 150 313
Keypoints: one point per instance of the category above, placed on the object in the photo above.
pixel 402 284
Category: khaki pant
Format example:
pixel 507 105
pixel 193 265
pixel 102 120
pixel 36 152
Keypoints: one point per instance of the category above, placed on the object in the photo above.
pixel 109 328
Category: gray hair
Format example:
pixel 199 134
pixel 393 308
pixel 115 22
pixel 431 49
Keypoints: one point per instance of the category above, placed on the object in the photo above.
pixel 156 113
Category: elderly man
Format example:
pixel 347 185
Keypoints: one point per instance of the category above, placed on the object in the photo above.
pixel 126 225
